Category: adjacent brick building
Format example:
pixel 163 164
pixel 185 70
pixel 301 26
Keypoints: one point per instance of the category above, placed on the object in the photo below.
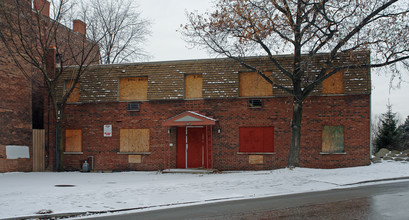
pixel 22 101
pixel 213 113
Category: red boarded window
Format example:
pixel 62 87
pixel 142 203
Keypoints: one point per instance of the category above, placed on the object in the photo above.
pixel 257 139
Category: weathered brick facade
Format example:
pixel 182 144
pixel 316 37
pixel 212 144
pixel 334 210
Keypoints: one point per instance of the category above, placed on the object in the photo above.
pixel 99 105
pixel 22 93
pixel 15 111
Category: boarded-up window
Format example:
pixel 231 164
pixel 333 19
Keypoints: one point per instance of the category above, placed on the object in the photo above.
pixel 334 84
pixel 75 94
pixel 333 139
pixel 134 140
pixel 193 86
pixel 133 88
pixel 253 85
pixel 257 139
pixel 256 159
pixel 73 140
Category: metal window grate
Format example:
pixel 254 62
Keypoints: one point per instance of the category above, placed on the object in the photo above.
pixel 255 103
pixel 133 107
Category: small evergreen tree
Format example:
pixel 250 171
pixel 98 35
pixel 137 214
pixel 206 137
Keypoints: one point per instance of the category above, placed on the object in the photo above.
pixel 404 129
pixel 389 134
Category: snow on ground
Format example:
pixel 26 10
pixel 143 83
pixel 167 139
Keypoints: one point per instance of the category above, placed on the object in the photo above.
pixel 25 194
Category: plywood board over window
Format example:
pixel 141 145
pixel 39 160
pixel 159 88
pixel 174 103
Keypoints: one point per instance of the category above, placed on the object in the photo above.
pixel 256 159
pixel 75 94
pixel 193 86
pixel 73 140
pixel 251 84
pixel 333 139
pixel 134 140
pixel 133 88
pixel 334 84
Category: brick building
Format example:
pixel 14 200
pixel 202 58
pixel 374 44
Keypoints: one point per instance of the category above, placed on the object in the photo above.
pixel 213 113
pixel 22 93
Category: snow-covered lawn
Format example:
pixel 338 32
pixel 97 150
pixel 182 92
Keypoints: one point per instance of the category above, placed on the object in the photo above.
pixel 25 194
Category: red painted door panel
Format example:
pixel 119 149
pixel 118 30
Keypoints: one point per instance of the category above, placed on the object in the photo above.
pixel 195 150
pixel 196 147
pixel 181 145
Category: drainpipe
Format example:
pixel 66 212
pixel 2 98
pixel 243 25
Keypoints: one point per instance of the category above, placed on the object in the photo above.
pixel 56 147
pixel 92 162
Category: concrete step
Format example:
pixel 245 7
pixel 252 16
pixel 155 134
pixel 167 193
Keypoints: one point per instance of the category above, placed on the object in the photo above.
pixel 192 171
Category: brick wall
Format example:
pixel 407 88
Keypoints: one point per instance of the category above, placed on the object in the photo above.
pixel 15 112
pixel 21 100
pixel 351 111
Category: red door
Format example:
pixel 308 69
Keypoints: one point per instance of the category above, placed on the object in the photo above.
pixel 196 151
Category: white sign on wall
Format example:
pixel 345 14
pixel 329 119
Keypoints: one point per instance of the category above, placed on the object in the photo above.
pixel 15 152
pixel 107 130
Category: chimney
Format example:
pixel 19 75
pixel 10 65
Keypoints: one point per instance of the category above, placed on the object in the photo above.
pixel 42 6
pixel 80 27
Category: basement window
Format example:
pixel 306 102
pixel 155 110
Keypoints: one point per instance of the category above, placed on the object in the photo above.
pixel 255 103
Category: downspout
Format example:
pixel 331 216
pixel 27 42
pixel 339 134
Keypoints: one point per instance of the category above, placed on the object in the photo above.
pixel 48 131
pixel 57 160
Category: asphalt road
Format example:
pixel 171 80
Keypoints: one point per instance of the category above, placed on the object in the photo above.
pixel 382 201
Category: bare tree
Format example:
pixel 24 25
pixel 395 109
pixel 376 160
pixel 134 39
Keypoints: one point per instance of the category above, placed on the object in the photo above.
pixel 39 43
pixel 121 27
pixel 238 28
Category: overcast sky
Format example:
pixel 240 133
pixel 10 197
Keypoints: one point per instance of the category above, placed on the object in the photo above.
pixel 166 44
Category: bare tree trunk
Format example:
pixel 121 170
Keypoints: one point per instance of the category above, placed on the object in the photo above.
pixel 59 147
pixel 293 157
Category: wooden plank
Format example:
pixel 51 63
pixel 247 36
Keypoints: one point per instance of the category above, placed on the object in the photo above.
pixel 124 140
pixel 333 139
pixel 256 159
pixel 134 158
pixel 141 140
pixel 75 94
pixel 133 88
pixel 73 140
pixel 251 84
pixel 193 86
pixel 334 84
pixel 38 150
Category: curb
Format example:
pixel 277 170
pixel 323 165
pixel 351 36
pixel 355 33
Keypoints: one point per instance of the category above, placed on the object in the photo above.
pixel 377 180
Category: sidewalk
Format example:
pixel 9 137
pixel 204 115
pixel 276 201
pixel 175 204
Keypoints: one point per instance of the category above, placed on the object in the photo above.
pixel 73 193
